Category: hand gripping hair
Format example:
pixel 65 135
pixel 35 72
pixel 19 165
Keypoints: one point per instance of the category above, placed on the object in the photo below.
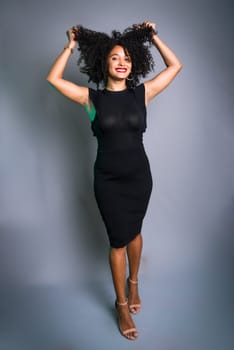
pixel 95 46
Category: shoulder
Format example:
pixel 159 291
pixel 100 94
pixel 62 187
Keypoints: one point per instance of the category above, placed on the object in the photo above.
pixel 140 87
pixel 139 91
pixel 94 94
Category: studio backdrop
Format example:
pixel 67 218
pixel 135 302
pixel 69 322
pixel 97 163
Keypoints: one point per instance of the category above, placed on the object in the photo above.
pixel 51 232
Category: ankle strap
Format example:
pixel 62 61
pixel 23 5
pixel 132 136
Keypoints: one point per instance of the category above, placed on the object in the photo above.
pixel 131 281
pixel 122 304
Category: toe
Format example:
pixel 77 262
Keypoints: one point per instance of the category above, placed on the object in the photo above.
pixel 135 335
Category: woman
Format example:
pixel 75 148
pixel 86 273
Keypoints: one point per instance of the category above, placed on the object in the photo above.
pixel 122 175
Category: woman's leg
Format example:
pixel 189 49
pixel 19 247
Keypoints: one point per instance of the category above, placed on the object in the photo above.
pixel 117 259
pixel 134 250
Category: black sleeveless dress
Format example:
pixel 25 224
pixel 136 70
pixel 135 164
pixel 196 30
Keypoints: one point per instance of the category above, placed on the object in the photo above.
pixel 122 175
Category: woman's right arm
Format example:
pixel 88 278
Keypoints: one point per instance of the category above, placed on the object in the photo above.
pixel 77 93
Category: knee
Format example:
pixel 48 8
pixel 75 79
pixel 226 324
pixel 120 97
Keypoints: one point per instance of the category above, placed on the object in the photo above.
pixel 118 251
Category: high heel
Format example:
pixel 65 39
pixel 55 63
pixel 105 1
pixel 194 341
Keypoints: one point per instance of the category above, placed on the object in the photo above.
pixel 133 307
pixel 129 330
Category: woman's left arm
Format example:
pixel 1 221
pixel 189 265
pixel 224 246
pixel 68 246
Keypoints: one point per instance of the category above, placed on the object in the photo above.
pixel 155 85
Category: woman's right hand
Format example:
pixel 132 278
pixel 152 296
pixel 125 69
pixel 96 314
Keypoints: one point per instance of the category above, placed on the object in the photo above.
pixel 71 37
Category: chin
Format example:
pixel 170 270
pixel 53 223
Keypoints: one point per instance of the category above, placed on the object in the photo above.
pixel 118 78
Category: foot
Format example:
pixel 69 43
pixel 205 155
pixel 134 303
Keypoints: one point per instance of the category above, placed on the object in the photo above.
pixel 133 296
pixel 126 324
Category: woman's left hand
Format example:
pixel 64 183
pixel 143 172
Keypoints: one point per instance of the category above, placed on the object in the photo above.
pixel 150 24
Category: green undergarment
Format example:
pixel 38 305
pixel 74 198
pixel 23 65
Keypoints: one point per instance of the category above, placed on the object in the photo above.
pixel 91 112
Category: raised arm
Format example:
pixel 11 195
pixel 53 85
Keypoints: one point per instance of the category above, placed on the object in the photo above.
pixel 155 85
pixel 55 78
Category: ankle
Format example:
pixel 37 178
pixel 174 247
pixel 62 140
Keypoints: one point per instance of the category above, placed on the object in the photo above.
pixel 133 280
pixel 120 302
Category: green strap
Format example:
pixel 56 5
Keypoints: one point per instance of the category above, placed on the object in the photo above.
pixel 91 111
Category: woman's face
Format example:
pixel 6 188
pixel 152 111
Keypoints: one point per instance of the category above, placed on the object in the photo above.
pixel 119 63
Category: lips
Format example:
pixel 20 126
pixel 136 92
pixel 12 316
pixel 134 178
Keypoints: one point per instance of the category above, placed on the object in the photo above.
pixel 121 70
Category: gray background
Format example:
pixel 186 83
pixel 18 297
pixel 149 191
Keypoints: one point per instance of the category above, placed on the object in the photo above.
pixel 56 290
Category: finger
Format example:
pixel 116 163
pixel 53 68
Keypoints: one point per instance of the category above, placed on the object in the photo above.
pixel 76 28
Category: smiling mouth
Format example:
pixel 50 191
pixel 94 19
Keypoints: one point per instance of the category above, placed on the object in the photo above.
pixel 121 70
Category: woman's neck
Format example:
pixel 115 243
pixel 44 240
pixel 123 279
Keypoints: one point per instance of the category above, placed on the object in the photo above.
pixel 116 85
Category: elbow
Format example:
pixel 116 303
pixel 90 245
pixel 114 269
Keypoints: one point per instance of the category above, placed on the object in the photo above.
pixel 179 66
pixel 176 66
pixel 53 80
pixel 51 77
pixel 49 80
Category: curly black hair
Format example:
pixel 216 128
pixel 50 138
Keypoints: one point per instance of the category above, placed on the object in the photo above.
pixel 95 46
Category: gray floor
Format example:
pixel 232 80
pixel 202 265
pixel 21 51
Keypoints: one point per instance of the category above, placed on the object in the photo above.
pixel 185 313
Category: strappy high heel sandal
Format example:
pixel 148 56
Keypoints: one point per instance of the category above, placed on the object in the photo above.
pixel 133 307
pixel 125 332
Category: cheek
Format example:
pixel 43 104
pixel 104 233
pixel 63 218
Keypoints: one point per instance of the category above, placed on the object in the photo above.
pixel 109 65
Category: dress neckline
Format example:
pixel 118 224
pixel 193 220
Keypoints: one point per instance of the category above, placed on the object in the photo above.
pixel 114 92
